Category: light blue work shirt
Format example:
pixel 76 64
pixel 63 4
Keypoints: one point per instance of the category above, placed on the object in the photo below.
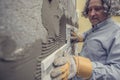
pixel 102 47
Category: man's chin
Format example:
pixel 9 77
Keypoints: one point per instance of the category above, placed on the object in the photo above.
pixel 95 22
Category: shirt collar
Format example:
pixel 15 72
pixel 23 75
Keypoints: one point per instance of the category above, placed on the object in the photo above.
pixel 101 25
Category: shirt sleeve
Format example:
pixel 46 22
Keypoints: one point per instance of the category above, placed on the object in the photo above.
pixel 111 69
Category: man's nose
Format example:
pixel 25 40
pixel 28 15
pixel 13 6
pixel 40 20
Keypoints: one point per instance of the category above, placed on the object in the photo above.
pixel 93 12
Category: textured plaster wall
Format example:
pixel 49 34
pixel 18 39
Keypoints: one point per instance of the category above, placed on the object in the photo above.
pixel 24 22
pixel 30 30
pixel 21 20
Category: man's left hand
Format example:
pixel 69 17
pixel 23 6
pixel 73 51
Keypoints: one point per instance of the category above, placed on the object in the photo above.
pixel 65 68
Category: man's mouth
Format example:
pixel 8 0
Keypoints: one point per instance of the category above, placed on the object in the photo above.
pixel 94 19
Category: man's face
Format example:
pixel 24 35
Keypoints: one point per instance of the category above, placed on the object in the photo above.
pixel 96 12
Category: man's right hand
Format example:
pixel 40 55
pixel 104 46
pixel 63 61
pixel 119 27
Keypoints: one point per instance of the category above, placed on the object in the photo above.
pixel 75 37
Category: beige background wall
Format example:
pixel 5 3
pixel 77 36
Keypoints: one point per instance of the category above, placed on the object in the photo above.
pixel 84 23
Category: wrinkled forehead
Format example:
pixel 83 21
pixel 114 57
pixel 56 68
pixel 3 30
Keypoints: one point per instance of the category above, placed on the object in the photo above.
pixel 94 3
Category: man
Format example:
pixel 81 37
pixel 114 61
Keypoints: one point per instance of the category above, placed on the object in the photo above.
pixel 100 55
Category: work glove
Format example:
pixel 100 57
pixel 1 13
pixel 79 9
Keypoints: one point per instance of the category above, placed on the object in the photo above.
pixel 65 68
pixel 75 37
pixel 68 66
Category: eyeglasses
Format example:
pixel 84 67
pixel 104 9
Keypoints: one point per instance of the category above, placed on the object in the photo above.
pixel 96 8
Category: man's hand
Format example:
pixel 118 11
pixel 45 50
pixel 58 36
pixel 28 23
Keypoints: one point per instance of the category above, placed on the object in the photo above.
pixel 76 38
pixel 69 66
pixel 65 68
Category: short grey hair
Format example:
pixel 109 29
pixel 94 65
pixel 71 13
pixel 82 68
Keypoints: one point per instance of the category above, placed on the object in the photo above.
pixel 106 4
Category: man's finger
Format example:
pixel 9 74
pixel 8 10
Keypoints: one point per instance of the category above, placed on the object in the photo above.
pixel 61 73
pixel 56 72
pixel 73 33
pixel 59 61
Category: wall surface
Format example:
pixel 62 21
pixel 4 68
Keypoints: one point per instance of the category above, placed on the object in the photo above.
pixel 30 31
